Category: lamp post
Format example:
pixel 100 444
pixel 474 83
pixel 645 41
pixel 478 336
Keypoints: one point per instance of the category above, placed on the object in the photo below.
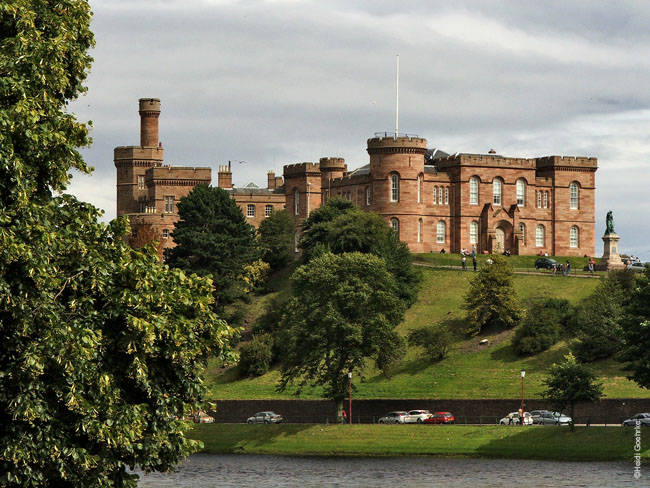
pixel 350 386
pixel 521 416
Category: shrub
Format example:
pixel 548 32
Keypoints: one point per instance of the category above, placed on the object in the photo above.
pixel 434 340
pixel 542 327
pixel 255 357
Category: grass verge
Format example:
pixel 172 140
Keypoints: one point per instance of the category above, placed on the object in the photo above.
pixel 544 443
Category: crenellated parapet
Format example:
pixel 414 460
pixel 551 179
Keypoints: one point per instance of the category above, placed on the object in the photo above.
pixel 298 169
pixel 567 163
pixel 387 144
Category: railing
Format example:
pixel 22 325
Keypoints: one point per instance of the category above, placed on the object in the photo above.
pixel 395 135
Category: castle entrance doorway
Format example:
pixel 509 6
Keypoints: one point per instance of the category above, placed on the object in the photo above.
pixel 500 238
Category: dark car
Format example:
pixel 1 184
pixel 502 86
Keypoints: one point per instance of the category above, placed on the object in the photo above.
pixel 642 418
pixel 444 418
pixel 545 263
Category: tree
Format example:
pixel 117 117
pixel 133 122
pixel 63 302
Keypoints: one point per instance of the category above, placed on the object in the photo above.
pixel 256 356
pixel 491 300
pixel 316 228
pixel 636 332
pixel 598 318
pixel 434 341
pixel 102 346
pixel 276 239
pixel 542 326
pixel 569 383
pixel 344 311
pixel 213 239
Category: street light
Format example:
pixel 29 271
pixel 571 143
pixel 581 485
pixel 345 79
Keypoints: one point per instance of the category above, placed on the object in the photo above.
pixel 521 415
pixel 350 385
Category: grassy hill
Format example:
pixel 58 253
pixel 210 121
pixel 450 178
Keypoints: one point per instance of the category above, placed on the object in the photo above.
pixel 470 370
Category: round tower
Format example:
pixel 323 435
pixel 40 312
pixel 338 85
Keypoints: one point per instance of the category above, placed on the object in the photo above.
pixel 149 113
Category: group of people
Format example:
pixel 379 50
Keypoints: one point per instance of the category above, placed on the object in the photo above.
pixel 564 269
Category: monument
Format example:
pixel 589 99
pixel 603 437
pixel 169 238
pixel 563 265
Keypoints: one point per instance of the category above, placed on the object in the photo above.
pixel 610 259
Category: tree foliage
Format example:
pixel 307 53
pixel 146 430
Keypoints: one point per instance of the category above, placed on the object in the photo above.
pixel 344 311
pixel 636 330
pixel 569 383
pixel 146 235
pixel 598 318
pixel 256 356
pixel 434 341
pixel 213 239
pixel 316 228
pixel 491 300
pixel 543 325
pixel 102 346
pixel 276 239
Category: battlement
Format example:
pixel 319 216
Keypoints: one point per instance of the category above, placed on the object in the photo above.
pixel 401 144
pixel 183 174
pixel 125 153
pixel 572 161
pixel 485 160
pixel 332 164
pixel 300 168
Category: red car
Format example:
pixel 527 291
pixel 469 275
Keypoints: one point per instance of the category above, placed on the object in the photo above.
pixel 440 418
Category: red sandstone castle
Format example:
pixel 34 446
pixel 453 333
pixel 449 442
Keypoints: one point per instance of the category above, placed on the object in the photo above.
pixel 433 200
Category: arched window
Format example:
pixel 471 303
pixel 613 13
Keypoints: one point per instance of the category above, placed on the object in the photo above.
pixel 539 236
pixel 296 201
pixel 473 190
pixel 394 187
pixel 473 232
pixel 522 229
pixel 575 195
pixel 440 232
pixel 574 237
pixel 420 230
pixel 394 223
pixel 419 188
pixel 367 195
pixel 496 191
pixel 435 195
pixel 521 193
pixel 446 195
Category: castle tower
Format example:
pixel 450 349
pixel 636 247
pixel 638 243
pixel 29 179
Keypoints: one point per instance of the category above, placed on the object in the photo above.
pixel 397 174
pixel 132 162
pixel 330 168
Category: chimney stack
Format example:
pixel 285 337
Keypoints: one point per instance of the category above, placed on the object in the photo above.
pixel 149 113
pixel 224 178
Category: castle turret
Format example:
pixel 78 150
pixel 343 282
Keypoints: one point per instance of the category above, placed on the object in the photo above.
pixel 149 113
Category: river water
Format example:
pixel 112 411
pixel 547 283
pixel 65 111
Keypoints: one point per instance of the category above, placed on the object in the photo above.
pixel 244 470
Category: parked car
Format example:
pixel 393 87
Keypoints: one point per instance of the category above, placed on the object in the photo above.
pixel 444 418
pixel 393 418
pixel 528 419
pixel 642 418
pixel 554 418
pixel 201 418
pixel 636 266
pixel 265 418
pixel 416 416
pixel 545 263
pixel 536 414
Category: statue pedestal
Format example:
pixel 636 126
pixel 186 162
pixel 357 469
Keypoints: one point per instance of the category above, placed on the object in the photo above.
pixel 610 259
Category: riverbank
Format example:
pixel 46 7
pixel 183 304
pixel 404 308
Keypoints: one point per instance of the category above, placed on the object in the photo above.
pixel 544 443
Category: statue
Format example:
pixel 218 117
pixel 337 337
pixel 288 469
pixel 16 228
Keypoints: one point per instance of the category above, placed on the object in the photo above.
pixel 609 223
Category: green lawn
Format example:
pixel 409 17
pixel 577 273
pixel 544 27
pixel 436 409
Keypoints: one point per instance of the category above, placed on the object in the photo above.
pixel 557 443
pixel 470 370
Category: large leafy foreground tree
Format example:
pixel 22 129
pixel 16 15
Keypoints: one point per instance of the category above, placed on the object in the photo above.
pixel 344 312
pixel 102 346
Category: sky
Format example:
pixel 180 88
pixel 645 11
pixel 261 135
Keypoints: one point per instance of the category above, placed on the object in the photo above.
pixel 275 82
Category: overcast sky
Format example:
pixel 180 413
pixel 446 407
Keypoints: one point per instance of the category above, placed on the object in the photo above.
pixel 285 81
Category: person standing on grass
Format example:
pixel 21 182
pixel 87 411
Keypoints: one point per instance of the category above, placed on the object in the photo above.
pixel 463 262
pixel 344 416
pixel 591 266
pixel 474 261
pixel 567 269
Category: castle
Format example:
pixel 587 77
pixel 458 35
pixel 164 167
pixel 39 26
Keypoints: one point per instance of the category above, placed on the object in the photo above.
pixel 433 200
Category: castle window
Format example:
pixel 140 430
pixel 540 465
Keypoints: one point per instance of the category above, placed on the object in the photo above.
pixel 134 233
pixel 169 204
pixel 446 195
pixel 142 206
pixel 522 229
pixel 573 236
pixel 268 210
pixel 496 191
pixel 521 193
pixel 539 236
pixel 573 187
pixel 473 191
pixel 165 233
pixel 473 232
pixel 539 199
pixel 394 187
pixel 250 211
pixel 420 230
pixel 435 195
pixel 141 182
pixel 440 232
pixel 419 189
pixel 296 202
pixel 440 196
pixel 394 223
pixel 367 195
pixel 545 199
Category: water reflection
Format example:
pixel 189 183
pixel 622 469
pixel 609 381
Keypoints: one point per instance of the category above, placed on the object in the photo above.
pixel 241 471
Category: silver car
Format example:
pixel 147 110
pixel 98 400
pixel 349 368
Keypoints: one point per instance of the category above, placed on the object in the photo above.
pixel 417 416
pixel 554 418
pixel 642 418
pixel 265 418
pixel 393 418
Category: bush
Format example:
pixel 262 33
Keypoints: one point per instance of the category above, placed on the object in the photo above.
pixel 255 357
pixel 434 340
pixel 542 327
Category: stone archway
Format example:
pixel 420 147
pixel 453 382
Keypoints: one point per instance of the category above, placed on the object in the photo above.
pixel 499 240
